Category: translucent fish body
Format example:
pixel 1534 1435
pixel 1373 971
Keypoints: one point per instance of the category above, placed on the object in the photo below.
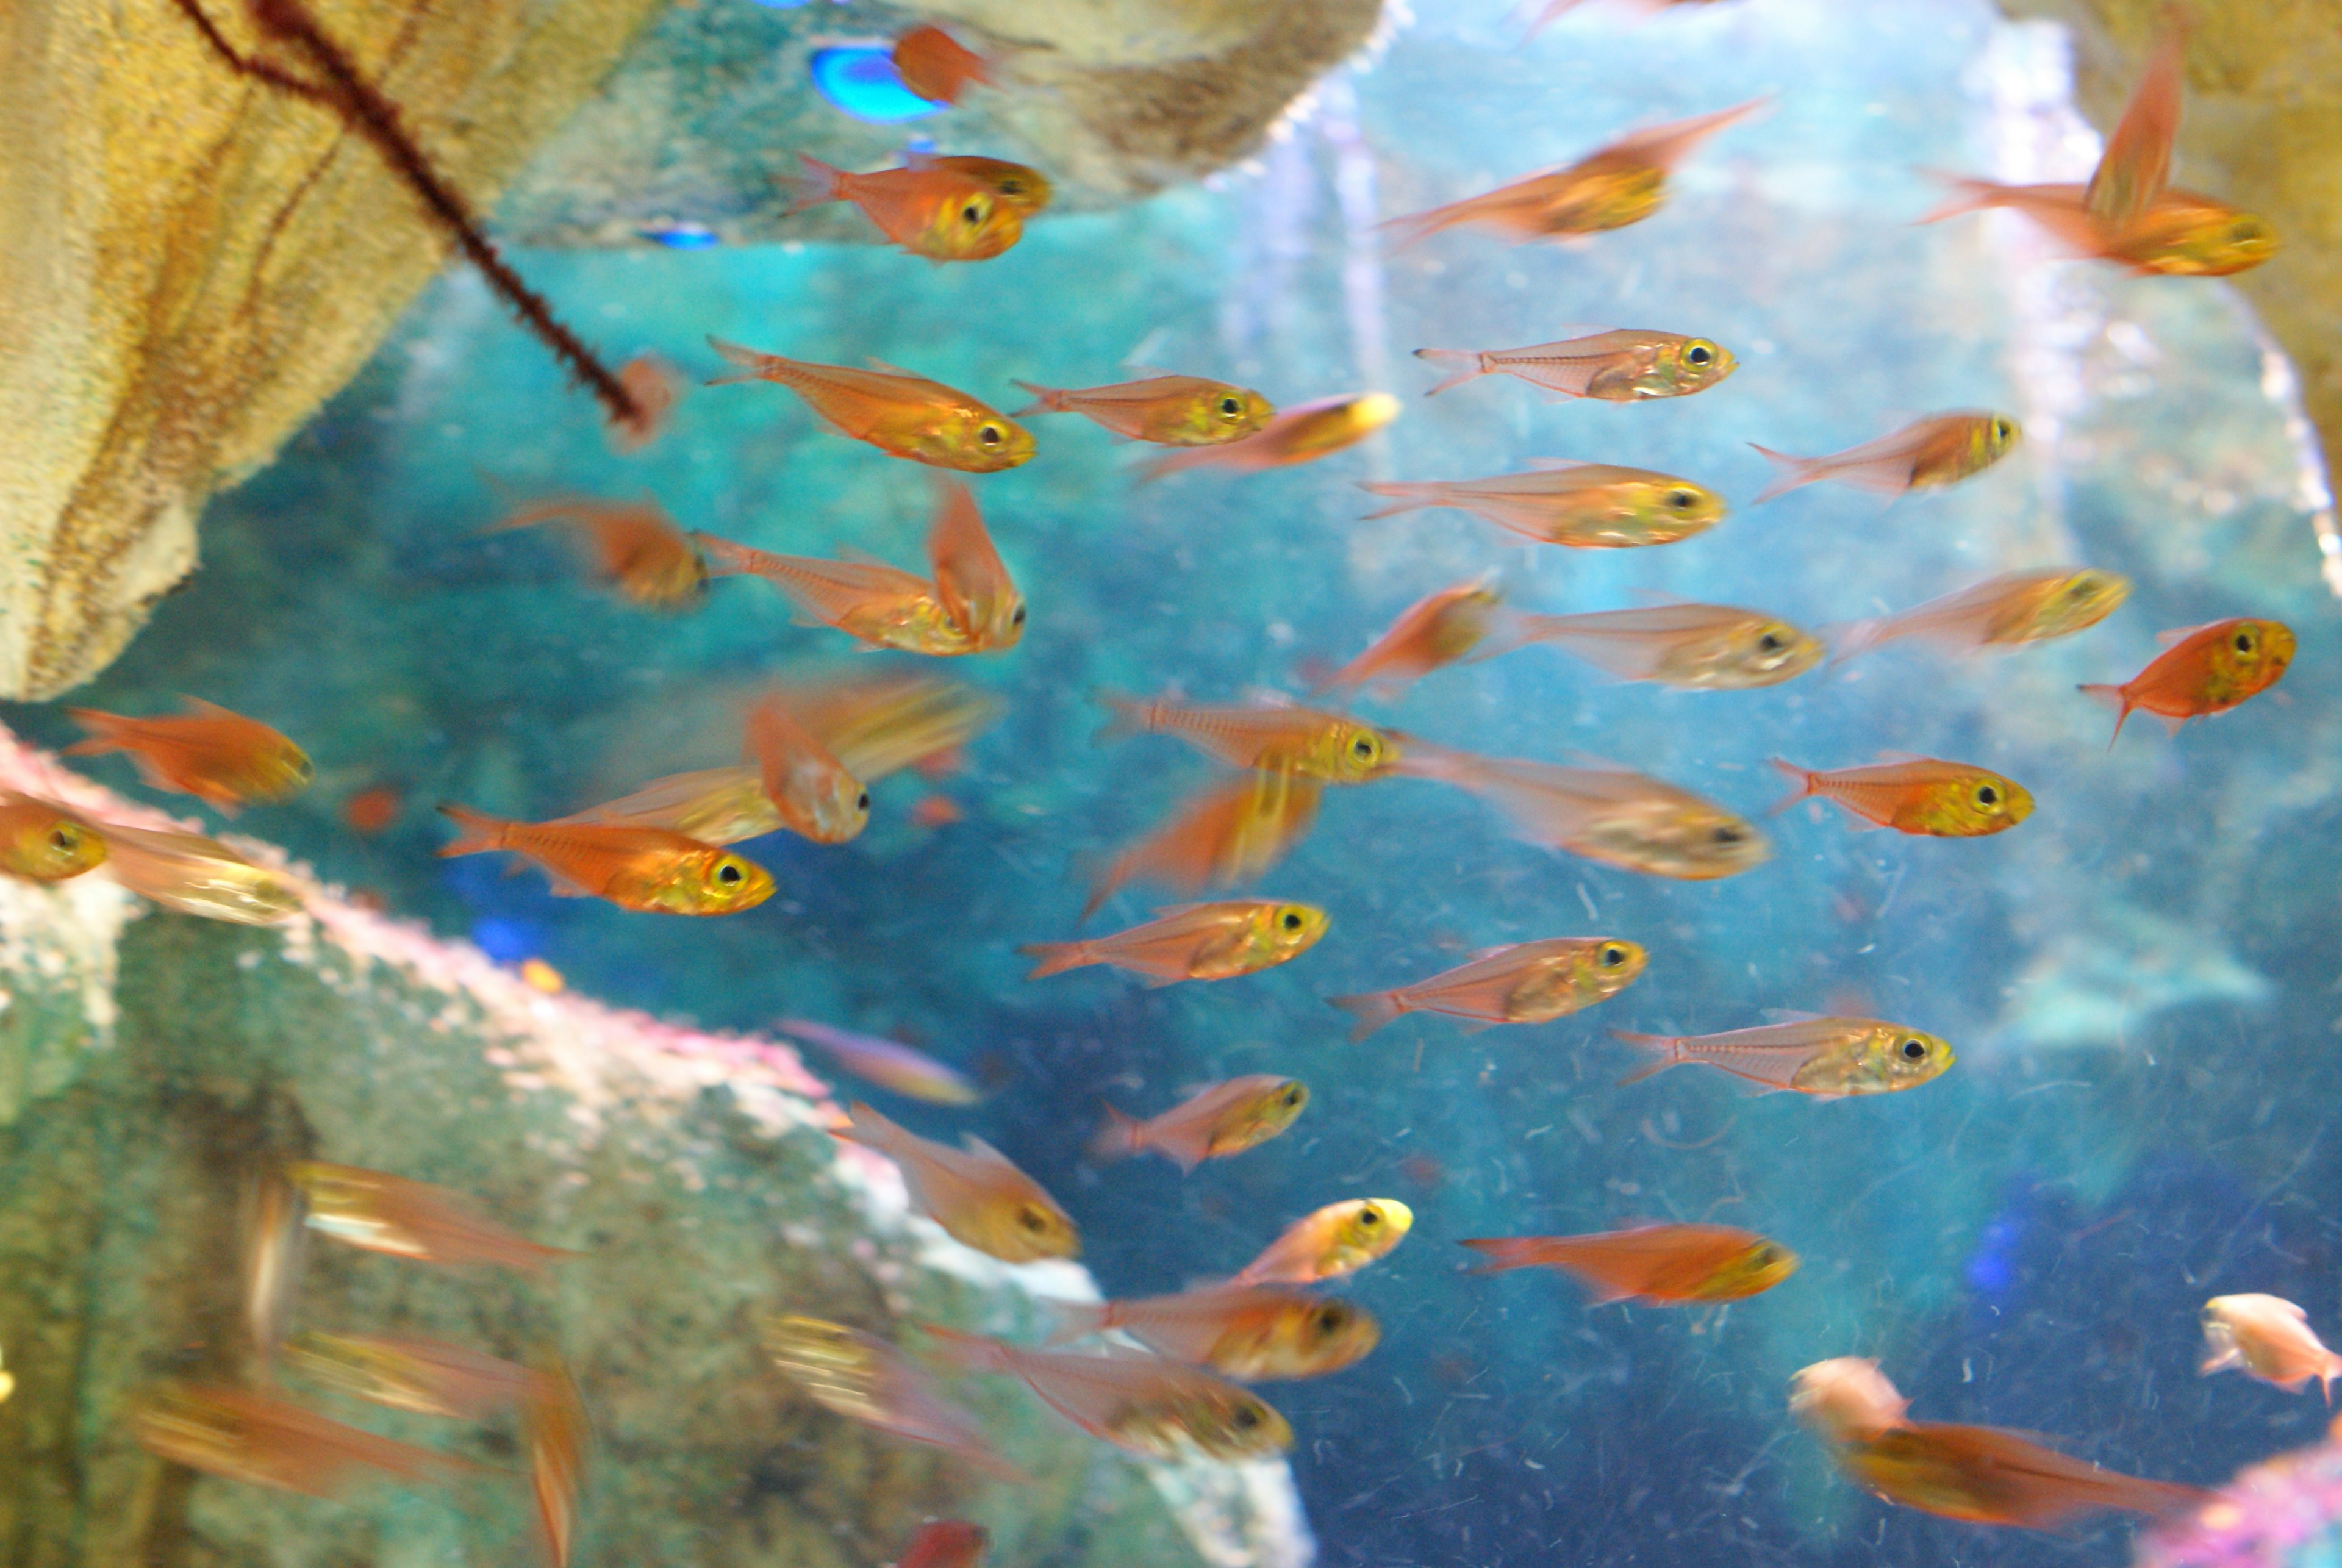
pixel 1525 983
pixel 1581 505
pixel 1825 1057
pixel 1629 365
pixel 1216 1122
pixel 1198 942
pixel 975 1195
pixel 1249 1332
pixel 1698 647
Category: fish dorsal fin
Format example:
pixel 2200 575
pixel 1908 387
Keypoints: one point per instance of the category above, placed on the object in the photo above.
pixel 982 1149
pixel 1556 465
pixel 1896 757
pixel 202 709
pixel 2171 638
pixel 875 362
pixel 1791 1016
pixel 1143 351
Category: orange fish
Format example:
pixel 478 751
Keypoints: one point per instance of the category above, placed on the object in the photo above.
pixel 1621 184
pixel 556 1430
pixel 937 67
pixel 371 811
pixel 1436 630
pixel 947 1543
pixel 1624 365
pixel 378 1212
pixel 865 1380
pixel 1319 744
pixel 222 758
pixel 1153 1408
pixel 937 811
pixel 268 1441
pixel 1582 505
pixel 1194 942
pixel 638 549
pixel 1170 410
pixel 1337 1240
pixel 1665 1265
pixel 902 414
pixel 1999 613
pixel 970 579
pixel 1917 795
pixel 44 843
pixel 2203 670
pixel 419 1375
pixel 1940 450
pixel 1245 1332
pixel 1847 1399
pixel 638 868
pixel 1214 1123
pixel 1988 1476
pixel 1027 190
pixel 2268 1338
pixel 1525 983
pixel 275 1249
pixel 1302 434
pixel 1698 647
pixel 1223 836
pixel 816 796
pixel 196 875
pixel 940 214
pixel 979 1199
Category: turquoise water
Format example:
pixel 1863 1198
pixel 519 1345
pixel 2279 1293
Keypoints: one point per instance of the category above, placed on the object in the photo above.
pixel 2138 981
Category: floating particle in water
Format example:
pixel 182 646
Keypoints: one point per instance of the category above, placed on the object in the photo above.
pixel 860 79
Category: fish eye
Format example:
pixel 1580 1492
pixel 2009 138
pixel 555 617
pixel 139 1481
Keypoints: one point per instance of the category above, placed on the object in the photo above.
pixel 1699 356
pixel 862 800
pixel 2245 641
pixel 1291 920
pixel 989 435
pixel 1682 500
pixel 1016 616
pixel 1245 1416
pixel 728 872
pixel 2245 231
pixel 1727 833
pixel 1292 1096
pixel 1011 186
pixel 1031 1219
pixel 1987 795
pixel 1364 748
pixel 63 840
pixel 1369 1217
pixel 1231 407
pixel 1913 1050
pixel 2002 430
pixel 1772 642
pixel 972 214
pixel 1612 955
pixel 1330 1318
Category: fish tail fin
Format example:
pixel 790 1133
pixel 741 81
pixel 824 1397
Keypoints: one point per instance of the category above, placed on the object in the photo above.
pixel 721 557
pixel 2115 697
pixel 1118 1137
pixel 967 1351
pixel 1967 195
pixel 1475 366
pixel 1504 1252
pixel 1796 471
pixel 1045 399
pixel 106 732
pixel 817 184
pixel 1373 1009
pixel 1661 1048
pixel 1055 957
pixel 1849 639
pixel 1416 228
pixel 1079 1320
pixel 481 832
pixel 753 363
pixel 1804 778
pixel 1130 718
pixel 1407 497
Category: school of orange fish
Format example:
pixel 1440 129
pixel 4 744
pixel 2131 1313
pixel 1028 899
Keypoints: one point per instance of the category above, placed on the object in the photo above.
pixel 1172 1382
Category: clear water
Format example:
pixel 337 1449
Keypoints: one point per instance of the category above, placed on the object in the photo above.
pixel 2140 981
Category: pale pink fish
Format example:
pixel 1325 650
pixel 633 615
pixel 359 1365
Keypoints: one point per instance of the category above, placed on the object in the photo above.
pixel 1223 1119
pixel 1581 505
pixel 970 578
pixel 1942 449
pixel 1699 647
pixel 1626 364
pixel 1999 612
pixel 1828 1058
pixel 714 805
pixel 816 796
pixel 911 1074
pixel 422 1377
pixel 1525 983
pixel 2267 1338
pixel 378 1212
pixel 865 1380
pixel 975 1195
pixel 557 1433
pixel 1447 627
pixel 269 1441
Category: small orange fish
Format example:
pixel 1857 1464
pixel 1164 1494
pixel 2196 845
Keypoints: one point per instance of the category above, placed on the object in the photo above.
pixel 378 1212
pixel 1194 942
pixel 864 1379
pixel 268 1441
pixel 1698 647
pixel 44 843
pixel 1824 1057
pixel 902 414
pixel 1665 1265
pixel 372 811
pixel 1214 1123
pixel 422 1377
pixel 1940 450
pixel 937 67
pixel 638 549
pixel 1624 365
pixel 1168 410
pixel 222 758
pixel 2267 1338
pixel 1999 613
pixel 1847 1399
pixel 2203 670
pixel 1582 505
pixel 1436 630
pixel 638 868
pixel 196 875
pixel 979 1199
pixel 1917 795
pixel 1222 837
pixel 1323 746
pixel 655 388
pixel 970 578
pixel 1609 188
pixel 1302 434
pixel 1337 1240
pixel 1988 1476
pixel 556 1431
pixel 1027 190
pixel 934 811
pixel 1246 1332
pixel 940 214
pixel 816 796
pixel 1525 983
pixel 947 1543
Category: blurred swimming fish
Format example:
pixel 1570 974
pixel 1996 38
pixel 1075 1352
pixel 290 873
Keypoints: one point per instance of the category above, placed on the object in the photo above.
pixel 1604 813
pixel 1223 1119
pixel 1988 1476
pixel 276 1237
pixel 1556 9
pixel 1436 630
pixel 939 213
pixel 640 868
pixel 197 875
pixel 1301 434
pixel 372 811
pixel 635 545
pixel 914 1074
pixel 1609 188
pixel 1582 505
pixel 1824 1057
pixel 1942 449
pixel 268 1441
pixel 883 605
pixel 555 1433
pixel 378 1213
pixel 1329 747
pixel 937 66
pixel 901 414
pixel 1922 795
pixel 1999 612
pixel 1245 1332
pixel 40 842
pixel 1224 835
pixel 421 1377
pixel 1699 647
pixel 865 1380
pixel 1337 1240
pixel 2203 670
pixel 947 1543
pixel 1524 982
pixel 1847 1399
pixel 222 758
pixel 713 806
pixel 1664 1264
pixel 812 792
pixel 1627 364
pixel 1168 410
pixel 970 578
pixel 1141 1403
pixel 975 1195
pixel 1194 942
pixel 878 725
pixel 2267 1338
pixel 1026 190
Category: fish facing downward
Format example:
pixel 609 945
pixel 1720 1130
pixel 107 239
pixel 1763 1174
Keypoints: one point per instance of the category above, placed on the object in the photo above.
pixel 1246 1332
pixel 1301 434
pixel 1988 1476
pixel 975 1195
pixel 1213 1124
pixel 2267 1338
pixel 44 843
pixel 937 212
pixel 1337 1240
pixel 970 577
pixel 865 1380
pixel 1627 366
pixel 1999 613
pixel 1436 630
pixel 1194 942
pixel 222 758
pixel 1698 647
pixel 639 868
pixel 1525 983
pixel 1824 1057
pixel 1168 410
pixel 1917 795
pixel 1666 1264
pixel 637 547
pixel 1940 450
pixel 901 414
pixel 1582 505
pixel 378 1213
pixel 1329 747
pixel 2203 670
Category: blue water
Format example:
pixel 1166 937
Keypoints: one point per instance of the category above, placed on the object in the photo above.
pixel 2138 981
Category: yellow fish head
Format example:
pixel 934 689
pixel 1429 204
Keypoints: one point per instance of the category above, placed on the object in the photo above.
pixel 1678 507
pixel 1331 1334
pixel 50 848
pixel 1695 365
pixel 721 883
pixel 978 441
pixel 1905 1058
pixel 1026 1231
pixel 2253 654
pixel 841 808
pixel 1759 1268
pixel 1775 651
pixel 1358 753
pixel 1375 1226
pixel 1981 804
pixel 277 772
pixel 2082 601
pixel 1291 929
